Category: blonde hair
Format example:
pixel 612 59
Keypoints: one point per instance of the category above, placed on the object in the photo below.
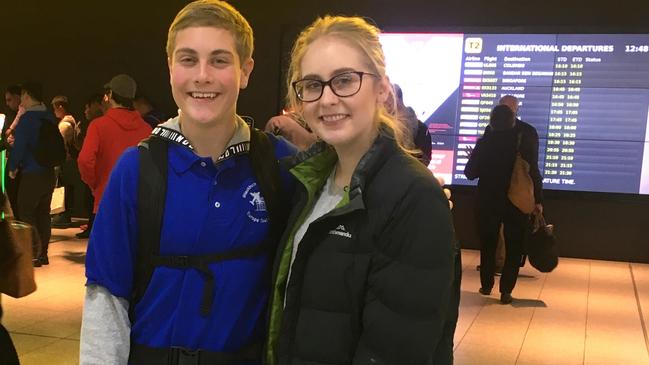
pixel 213 13
pixel 362 35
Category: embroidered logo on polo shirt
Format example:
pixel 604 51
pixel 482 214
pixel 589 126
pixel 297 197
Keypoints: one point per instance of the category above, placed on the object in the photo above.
pixel 257 211
pixel 341 231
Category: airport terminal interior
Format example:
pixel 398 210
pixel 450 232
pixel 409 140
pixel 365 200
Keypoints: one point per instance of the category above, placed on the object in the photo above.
pixel 580 71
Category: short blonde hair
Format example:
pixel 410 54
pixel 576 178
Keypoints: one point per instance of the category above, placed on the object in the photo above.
pixel 360 34
pixel 213 13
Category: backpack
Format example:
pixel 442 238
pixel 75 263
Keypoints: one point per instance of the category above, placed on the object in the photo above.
pixel 50 148
pixel 150 210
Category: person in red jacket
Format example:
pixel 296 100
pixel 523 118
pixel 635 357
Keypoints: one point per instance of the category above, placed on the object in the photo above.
pixel 109 135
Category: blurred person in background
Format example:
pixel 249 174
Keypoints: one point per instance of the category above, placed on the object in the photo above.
pixel 68 172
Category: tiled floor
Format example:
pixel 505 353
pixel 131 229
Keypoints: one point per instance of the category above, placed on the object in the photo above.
pixel 585 312
pixel 45 325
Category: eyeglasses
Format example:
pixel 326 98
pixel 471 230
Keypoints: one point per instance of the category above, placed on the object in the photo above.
pixel 342 85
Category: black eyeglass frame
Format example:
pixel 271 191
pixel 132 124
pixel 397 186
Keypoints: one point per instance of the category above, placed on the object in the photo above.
pixel 328 83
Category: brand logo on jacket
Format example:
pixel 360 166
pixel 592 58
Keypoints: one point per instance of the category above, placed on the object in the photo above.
pixel 257 211
pixel 341 231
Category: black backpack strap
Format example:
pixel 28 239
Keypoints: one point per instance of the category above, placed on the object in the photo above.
pixel 265 166
pixel 201 263
pixel 152 189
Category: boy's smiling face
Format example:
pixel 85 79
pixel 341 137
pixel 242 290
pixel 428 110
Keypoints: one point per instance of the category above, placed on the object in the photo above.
pixel 206 75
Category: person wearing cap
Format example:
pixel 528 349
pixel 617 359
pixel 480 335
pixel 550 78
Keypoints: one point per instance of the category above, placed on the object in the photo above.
pixel 109 135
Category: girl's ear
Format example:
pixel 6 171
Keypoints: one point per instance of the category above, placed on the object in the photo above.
pixel 385 90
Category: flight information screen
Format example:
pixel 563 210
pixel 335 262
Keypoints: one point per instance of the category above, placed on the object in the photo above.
pixel 587 95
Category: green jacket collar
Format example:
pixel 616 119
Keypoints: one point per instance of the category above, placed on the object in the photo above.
pixel 313 166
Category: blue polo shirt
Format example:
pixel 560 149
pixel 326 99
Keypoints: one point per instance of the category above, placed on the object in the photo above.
pixel 210 208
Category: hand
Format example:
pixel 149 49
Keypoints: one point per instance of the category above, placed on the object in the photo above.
pixel 468 149
pixel 21 110
pixel 291 129
pixel 11 139
pixel 537 219
pixel 12 174
pixel 274 124
pixel 447 192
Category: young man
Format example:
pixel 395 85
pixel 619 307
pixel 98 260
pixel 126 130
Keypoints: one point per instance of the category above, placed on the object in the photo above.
pixel 214 310
pixel 93 109
pixel 147 111
pixel 108 136
pixel 68 174
pixel 37 181
pixel 67 123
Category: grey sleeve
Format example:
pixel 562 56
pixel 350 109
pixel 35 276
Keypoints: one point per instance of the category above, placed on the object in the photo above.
pixel 105 328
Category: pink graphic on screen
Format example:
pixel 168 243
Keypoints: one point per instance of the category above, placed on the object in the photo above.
pixel 428 69
pixel 426 66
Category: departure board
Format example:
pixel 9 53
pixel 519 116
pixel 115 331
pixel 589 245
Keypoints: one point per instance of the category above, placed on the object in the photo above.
pixel 587 95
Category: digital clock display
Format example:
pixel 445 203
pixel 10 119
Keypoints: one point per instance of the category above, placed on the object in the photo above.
pixel 633 48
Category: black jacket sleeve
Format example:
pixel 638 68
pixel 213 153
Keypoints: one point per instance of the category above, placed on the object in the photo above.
pixel 410 281
pixel 423 142
pixel 472 168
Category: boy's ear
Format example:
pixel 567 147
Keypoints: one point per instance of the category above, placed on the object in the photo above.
pixel 246 70
pixel 169 61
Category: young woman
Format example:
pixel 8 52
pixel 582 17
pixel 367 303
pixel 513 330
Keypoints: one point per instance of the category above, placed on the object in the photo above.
pixel 365 272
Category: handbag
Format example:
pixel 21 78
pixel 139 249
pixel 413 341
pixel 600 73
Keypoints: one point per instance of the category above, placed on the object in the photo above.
pixel 521 187
pixel 58 201
pixel 16 268
pixel 541 246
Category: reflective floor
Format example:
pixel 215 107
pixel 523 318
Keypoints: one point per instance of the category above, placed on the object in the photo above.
pixel 585 312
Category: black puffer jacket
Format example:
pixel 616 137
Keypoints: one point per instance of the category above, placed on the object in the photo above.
pixel 372 280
